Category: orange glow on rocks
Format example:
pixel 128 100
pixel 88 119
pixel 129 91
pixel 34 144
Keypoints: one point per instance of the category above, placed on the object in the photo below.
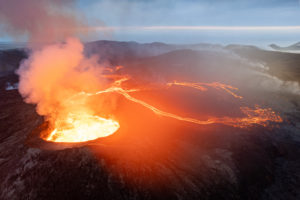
pixel 202 87
pixel 62 82
pixel 80 128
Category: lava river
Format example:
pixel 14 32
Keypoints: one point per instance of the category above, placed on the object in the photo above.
pixel 80 126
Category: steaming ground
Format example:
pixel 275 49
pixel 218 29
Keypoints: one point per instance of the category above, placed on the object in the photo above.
pixel 182 161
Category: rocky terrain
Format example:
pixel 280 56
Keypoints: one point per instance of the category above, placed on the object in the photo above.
pixel 182 162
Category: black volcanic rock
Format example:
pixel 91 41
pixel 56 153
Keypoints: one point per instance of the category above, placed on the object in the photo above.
pixel 283 65
pixel 215 163
pixel 187 162
pixel 11 59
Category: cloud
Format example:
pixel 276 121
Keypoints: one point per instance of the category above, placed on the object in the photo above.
pixel 191 12
pixel 43 20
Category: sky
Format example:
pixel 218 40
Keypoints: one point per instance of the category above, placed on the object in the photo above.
pixel 195 21
pixel 194 12
pixel 258 22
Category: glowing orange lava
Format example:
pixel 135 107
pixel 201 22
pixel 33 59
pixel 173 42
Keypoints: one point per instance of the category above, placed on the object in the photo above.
pixel 201 86
pixel 83 127
pixel 254 116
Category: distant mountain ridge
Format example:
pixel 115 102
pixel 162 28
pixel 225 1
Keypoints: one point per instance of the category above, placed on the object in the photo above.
pixel 9 45
pixel 293 47
pixel 283 64
pixel 116 51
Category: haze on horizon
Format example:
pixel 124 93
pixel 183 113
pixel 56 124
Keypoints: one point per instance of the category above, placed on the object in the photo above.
pixel 193 21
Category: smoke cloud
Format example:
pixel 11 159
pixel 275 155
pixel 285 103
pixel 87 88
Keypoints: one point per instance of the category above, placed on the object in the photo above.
pixel 55 73
pixel 56 70
pixel 41 21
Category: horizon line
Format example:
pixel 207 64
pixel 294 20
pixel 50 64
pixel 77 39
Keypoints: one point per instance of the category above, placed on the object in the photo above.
pixel 204 28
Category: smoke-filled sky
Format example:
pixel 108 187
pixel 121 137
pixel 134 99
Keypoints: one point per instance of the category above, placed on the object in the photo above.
pixel 193 21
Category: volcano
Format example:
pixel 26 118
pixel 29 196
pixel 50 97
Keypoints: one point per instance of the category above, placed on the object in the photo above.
pixel 246 148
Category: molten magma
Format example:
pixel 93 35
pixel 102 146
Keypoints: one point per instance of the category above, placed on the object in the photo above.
pixel 60 80
pixel 81 128
pixel 201 86
pixel 253 116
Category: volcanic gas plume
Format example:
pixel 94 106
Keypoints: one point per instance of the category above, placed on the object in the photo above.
pixel 54 74
pixel 41 22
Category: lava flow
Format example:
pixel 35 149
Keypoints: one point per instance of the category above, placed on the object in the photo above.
pixel 201 86
pixel 253 116
pixel 84 127
pixel 64 84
